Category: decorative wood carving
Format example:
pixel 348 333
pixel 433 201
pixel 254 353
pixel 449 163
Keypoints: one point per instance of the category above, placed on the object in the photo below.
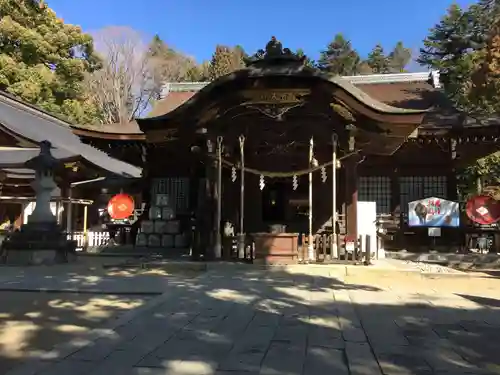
pixel 274 111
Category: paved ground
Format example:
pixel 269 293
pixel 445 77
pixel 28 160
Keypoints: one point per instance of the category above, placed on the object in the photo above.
pixel 303 321
pixel 32 323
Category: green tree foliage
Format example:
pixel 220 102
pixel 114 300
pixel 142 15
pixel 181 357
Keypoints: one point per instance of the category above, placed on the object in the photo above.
pixel 465 47
pixel 308 61
pixel 485 172
pixel 225 60
pixel 399 58
pixel 43 60
pixel 485 87
pixel 339 58
pixel 378 61
pixel 452 47
pixel 171 65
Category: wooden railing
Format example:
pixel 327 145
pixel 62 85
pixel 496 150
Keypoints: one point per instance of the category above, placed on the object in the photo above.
pixel 89 240
pixel 324 250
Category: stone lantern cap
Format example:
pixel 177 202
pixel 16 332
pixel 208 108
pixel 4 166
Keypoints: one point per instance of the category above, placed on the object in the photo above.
pixel 44 161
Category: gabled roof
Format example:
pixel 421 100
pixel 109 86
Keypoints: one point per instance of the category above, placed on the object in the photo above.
pixel 414 91
pixel 32 126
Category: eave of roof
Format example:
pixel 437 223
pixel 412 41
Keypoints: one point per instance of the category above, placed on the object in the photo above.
pixel 31 123
pixel 414 91
pixel 372 86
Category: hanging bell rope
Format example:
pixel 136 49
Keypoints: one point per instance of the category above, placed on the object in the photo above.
pixel 228 164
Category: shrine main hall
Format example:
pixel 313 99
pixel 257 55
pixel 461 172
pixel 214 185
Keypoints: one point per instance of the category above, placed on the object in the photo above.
pixel 282 147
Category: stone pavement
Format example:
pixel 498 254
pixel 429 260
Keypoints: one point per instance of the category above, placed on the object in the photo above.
pixel 32 323
pixel 302 322
pixel 91 277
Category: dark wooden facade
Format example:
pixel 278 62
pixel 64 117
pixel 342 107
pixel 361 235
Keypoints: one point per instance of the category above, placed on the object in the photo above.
pixel 408 144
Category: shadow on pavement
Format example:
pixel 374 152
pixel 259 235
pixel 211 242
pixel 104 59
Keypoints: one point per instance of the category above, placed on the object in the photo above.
pixel 276 322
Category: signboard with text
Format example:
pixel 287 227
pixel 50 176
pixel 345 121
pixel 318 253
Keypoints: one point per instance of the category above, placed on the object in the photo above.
pixel 433 212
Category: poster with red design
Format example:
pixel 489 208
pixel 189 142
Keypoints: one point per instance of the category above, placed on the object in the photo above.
pixel 433 212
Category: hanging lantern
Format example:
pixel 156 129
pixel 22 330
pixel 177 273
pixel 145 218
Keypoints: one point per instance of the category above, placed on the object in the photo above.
pixel 262 184
pixel 233 174
pixel 295 182
pixel 323 174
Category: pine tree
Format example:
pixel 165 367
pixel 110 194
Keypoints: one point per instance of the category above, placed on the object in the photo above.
pixel 339 58
pixel 377 60
pixel 399 58
pixel 43 60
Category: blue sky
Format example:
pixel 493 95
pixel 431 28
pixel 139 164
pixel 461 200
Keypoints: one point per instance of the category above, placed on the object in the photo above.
pixel 196 26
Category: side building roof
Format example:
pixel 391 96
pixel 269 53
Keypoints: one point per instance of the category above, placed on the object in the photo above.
pixel 30 126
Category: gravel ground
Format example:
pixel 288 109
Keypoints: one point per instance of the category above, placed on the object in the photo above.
pixel 418 266
pixel 428 267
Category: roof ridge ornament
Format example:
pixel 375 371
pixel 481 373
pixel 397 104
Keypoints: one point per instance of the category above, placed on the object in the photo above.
pixel 274 53
pixel 435 78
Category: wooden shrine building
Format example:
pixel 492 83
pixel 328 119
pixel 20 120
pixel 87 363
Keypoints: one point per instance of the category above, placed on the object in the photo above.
pixel 246 147
pixel 22 128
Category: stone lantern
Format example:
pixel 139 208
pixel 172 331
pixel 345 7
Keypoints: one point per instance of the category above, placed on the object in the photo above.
pixel 40 240
pixel 43 185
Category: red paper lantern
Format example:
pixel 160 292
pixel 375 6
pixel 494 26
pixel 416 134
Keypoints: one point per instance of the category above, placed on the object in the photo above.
pixel 121 206
pixel 483 209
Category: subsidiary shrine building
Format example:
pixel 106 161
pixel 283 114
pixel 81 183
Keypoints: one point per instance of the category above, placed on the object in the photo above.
pixel 246 148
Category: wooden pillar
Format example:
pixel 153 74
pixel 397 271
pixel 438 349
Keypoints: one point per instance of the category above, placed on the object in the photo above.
pixel 351 186
pixel 208 230
pixel 451 178
pixel 241 234
pixel 217 250
pixel 395 193
pixel 196 176
pixel 351 199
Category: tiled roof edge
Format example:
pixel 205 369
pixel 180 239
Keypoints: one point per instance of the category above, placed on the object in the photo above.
pixel 433 76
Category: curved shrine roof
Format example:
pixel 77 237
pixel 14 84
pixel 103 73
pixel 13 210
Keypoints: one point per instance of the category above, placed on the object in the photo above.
pixel 398 92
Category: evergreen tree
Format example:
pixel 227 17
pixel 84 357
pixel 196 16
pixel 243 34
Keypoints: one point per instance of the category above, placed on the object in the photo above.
pixel 43 60
pixel 452 48
pixel 307 61
pixel 339 58
pixel 465 48
pixel 485 88
pixel 171 65
pixel 399 58
pixel 378 61
pixel 225 61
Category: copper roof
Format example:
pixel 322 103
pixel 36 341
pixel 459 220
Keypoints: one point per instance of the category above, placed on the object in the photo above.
pixel 170 103
pixel 407 95
pixel 406 91
pixel 128 131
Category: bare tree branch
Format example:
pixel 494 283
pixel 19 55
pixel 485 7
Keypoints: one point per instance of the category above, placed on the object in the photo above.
pixel 128 80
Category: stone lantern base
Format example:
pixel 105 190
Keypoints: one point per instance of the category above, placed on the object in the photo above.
pixel 38 243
